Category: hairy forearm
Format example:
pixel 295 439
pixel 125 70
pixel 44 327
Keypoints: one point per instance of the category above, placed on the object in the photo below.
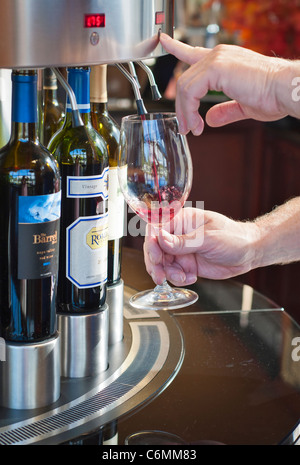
pixel 278 238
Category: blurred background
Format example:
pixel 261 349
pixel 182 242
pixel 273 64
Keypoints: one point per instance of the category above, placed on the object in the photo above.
pixel 245 169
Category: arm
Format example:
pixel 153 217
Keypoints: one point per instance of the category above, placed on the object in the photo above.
pixel 220 247
pixel 279 235
pixel 261 87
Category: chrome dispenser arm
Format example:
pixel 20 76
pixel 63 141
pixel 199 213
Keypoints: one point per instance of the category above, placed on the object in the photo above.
pixel 76 118
pixel 133 72
pixel 156 95
pixel 139 102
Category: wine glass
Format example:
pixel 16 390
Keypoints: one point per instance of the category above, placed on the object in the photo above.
pixel 153 438
pixel 155 176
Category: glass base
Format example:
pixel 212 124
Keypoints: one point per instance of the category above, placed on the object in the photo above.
pixel 151 438
pixel 163 297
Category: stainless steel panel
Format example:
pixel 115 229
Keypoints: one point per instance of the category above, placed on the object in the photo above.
pixel 36 34
pixel 84 343
pixel 30 375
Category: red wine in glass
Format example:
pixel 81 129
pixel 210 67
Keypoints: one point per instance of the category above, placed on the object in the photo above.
pixel 158 209
pixel 157 183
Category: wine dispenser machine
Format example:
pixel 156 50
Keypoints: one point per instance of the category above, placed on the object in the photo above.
pixel 60 33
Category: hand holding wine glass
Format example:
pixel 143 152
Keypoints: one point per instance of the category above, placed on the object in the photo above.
pixel 158 181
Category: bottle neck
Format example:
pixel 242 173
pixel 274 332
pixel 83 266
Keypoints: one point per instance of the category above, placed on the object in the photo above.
pixel 85 117
pixel 24 106
pixel 50 96
pixel 79 80
pixel 99 108
pixel 99 89
pixel 24 131
pixel 49 86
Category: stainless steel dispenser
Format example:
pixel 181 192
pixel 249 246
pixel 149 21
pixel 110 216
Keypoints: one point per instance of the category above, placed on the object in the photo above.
pixel 59 33
pixel 35 34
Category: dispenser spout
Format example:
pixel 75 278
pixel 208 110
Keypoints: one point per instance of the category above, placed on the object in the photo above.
pixel 139 101
pixel 133 73
pixel 156 95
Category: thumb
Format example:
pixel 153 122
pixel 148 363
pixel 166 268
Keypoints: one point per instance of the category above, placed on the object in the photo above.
pixel 181 244
pixel 183 52
pixel 225 113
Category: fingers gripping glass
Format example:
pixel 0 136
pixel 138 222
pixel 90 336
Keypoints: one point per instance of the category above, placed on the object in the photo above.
pixel 155 175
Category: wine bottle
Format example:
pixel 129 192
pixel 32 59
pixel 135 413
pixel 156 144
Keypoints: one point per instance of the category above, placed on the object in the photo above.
pixel 82 156
pixel 53 111
pixel 29 230
pixel 109 130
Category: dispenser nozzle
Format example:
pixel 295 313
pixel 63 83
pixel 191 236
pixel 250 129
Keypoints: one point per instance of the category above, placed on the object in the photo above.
pixel 133 73
pixel 156 95
pixel 139 102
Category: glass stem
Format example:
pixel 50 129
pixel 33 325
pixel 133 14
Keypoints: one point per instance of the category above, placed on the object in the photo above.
pixel 162 287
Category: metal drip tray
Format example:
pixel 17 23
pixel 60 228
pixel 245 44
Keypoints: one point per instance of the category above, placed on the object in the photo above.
pixel 140 367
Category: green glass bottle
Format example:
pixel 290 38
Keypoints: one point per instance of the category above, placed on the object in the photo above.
pixel 53 111
pixel 29 229
pixel 109 130
pixel 83 160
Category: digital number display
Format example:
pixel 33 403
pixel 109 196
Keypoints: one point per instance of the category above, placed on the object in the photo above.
pixel 96 20
pixel 159 17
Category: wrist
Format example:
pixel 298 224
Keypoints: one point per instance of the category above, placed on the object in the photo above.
pixel 288 88
pixel 278 240
pixel 263 246
pixel 256 245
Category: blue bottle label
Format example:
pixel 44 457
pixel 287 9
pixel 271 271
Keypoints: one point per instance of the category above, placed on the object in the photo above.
pixel 38 230
pixel 24 99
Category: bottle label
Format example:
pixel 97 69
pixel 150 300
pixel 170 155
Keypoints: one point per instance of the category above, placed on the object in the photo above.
pixel 88 186
pixel 38 227
pixel 116 203
pixel 86 252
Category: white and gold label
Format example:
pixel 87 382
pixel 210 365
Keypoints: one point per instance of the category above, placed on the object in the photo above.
pixel 86 252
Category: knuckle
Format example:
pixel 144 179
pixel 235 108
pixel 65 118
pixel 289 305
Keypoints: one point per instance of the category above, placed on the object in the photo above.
pixel 180 83
pixel 184 89
pixel 180 243
pixel 219 49
pixel 218 54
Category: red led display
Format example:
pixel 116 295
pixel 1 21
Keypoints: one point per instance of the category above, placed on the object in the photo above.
pixel 159 17
pixel 96 20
